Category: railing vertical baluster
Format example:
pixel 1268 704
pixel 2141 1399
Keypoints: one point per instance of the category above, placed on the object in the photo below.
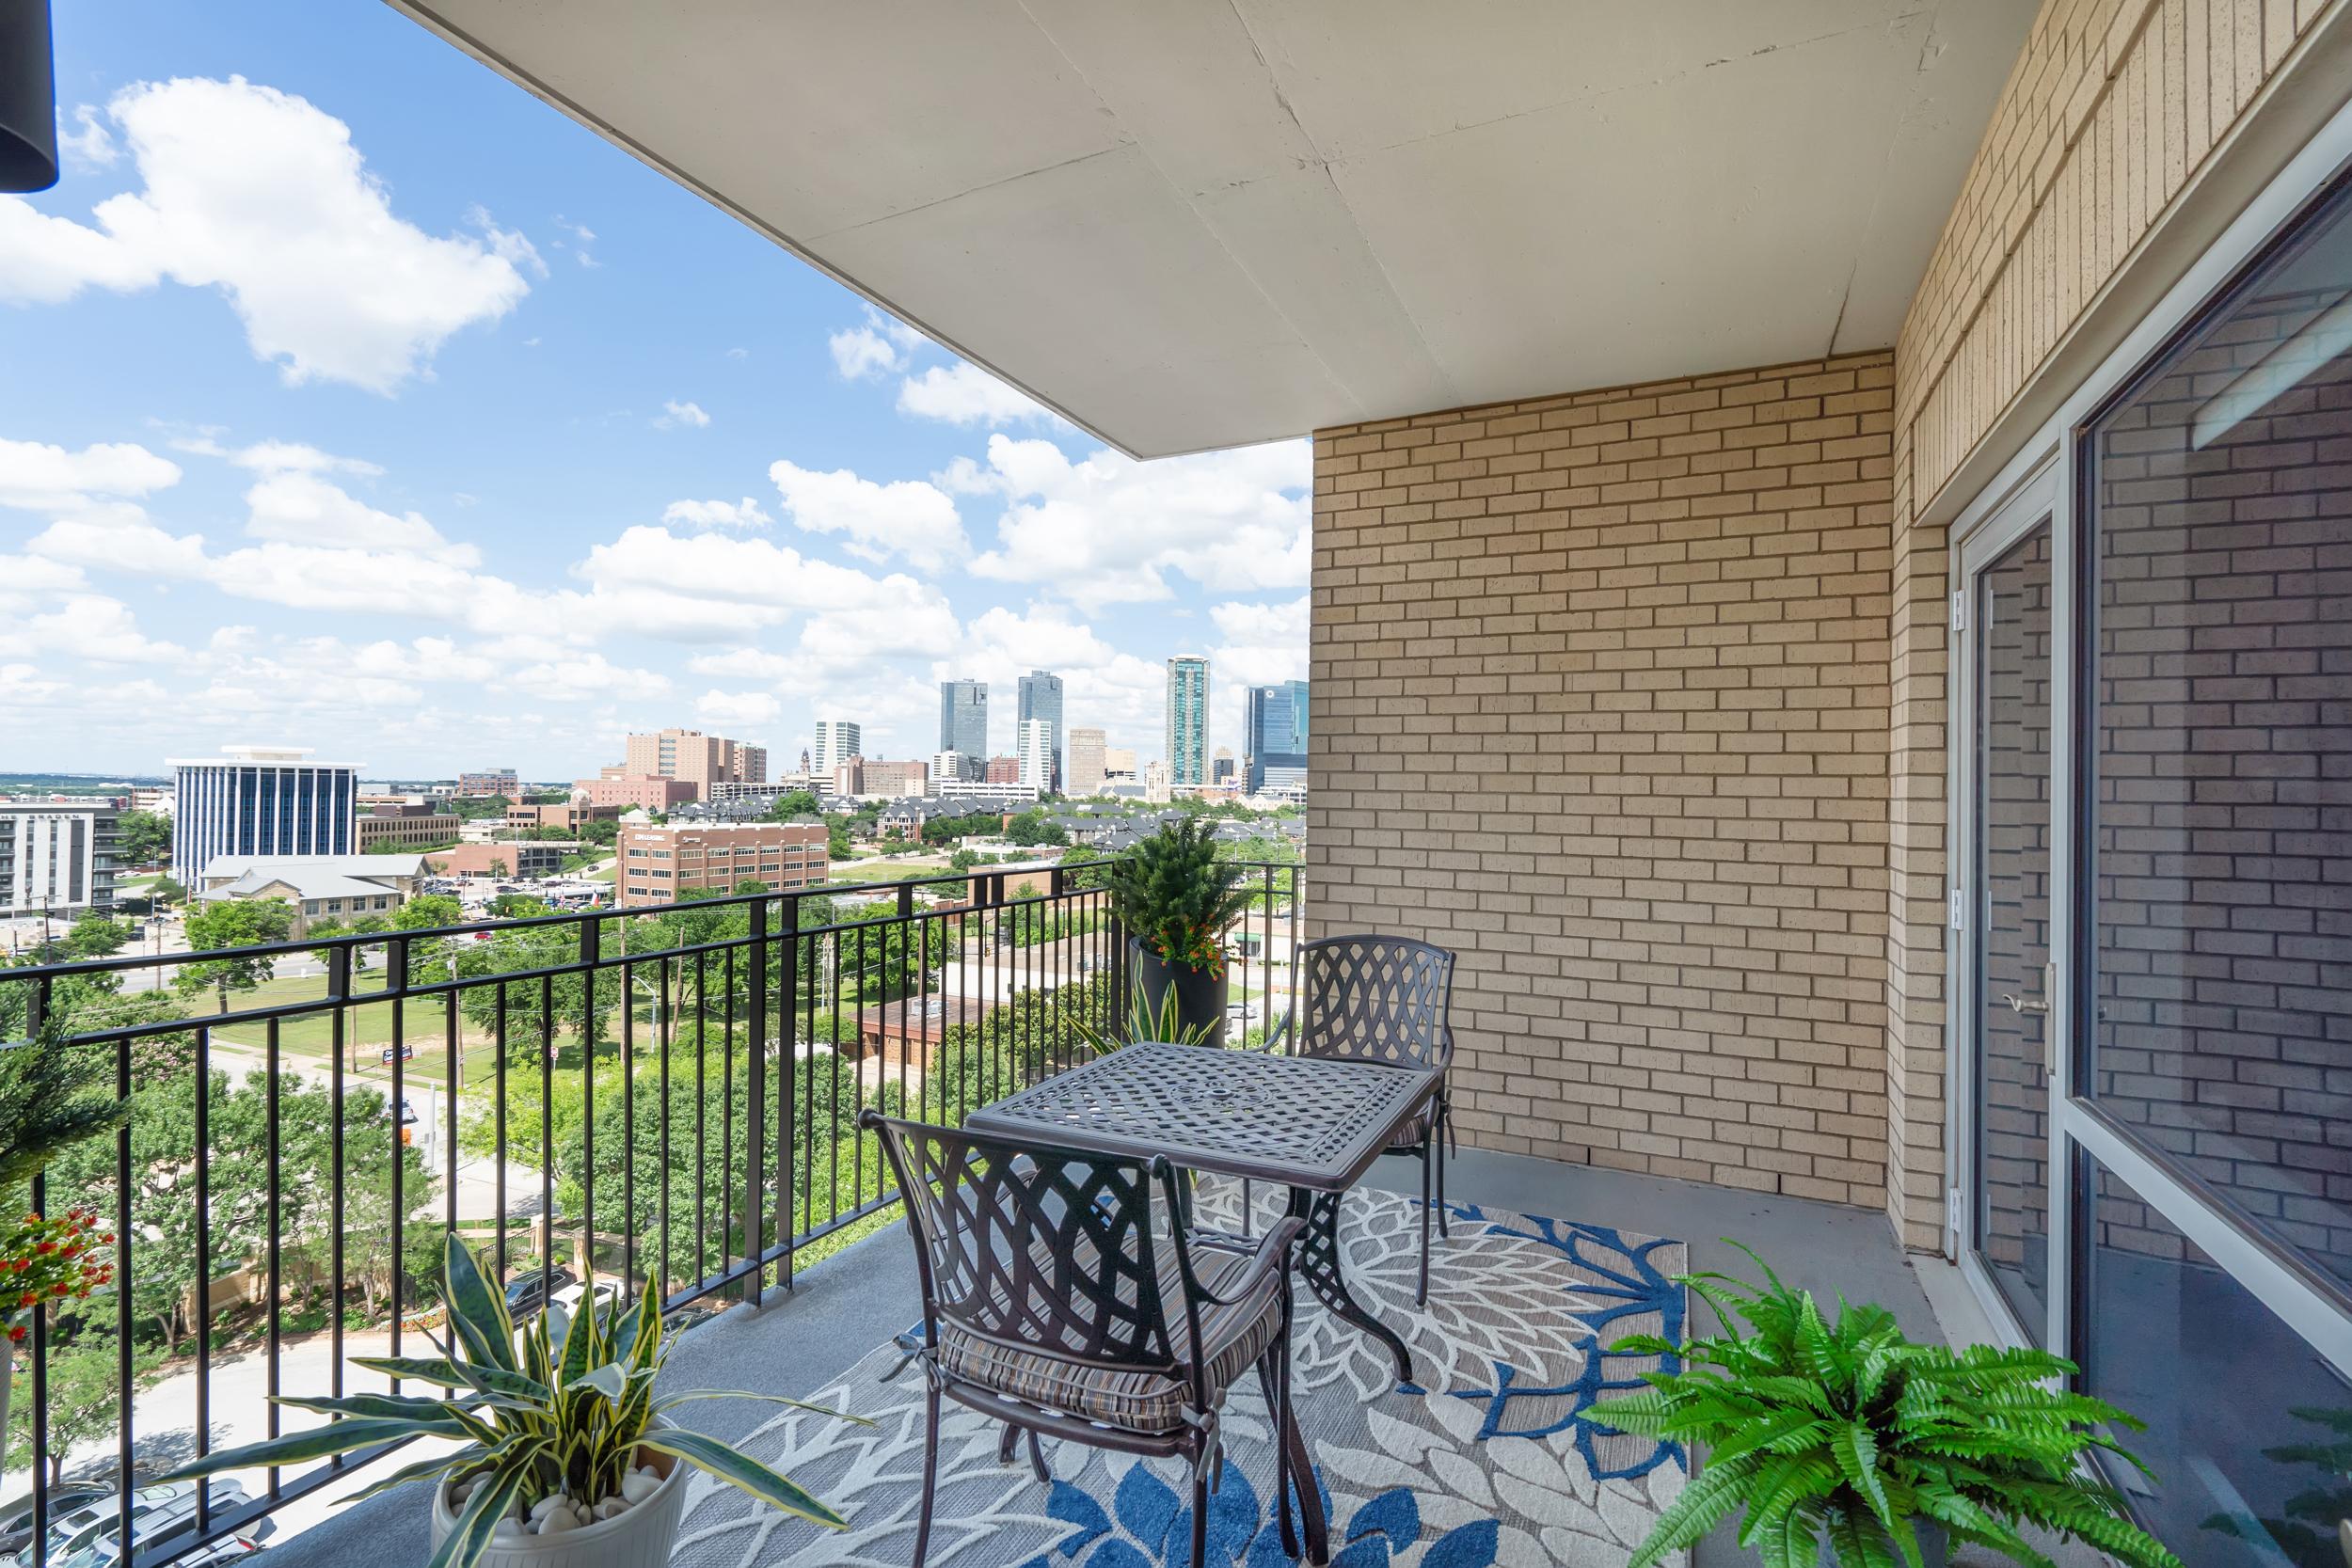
pixel 755 1095
pixel 726 1105
pixel 590 942
pixel 35 1019
pixel 664 1027
pixel 788 1069
pixel 702 1103
pixel 547 1139
pixel 203 1268
pixel 339 996
pixel 276 1285
pixel 452 1068
pixel 125 1434
pixel 804 1148
pixel 497 1044
pixel 832 1100
pixel 630 1218
pixel 396 981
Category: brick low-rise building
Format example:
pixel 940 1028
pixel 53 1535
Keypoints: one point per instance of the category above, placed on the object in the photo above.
pixel 650 790
pixel 530 860
pixel 408 829
pixel 655 863
pixel 570 816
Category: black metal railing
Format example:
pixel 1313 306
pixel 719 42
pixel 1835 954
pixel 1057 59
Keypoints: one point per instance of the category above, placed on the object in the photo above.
pixel 278 1197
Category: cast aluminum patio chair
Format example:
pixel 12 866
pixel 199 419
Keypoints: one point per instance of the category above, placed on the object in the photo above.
pixel 1053 1303
pixel 1372 998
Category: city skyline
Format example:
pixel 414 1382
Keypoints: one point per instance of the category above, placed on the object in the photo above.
pixel 572 454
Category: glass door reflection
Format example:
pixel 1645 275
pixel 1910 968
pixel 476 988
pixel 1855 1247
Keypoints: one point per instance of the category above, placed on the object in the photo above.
pixel 2011 767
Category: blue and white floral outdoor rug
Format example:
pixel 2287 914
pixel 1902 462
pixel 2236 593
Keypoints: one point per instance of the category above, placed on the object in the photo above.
pixel 1488 1462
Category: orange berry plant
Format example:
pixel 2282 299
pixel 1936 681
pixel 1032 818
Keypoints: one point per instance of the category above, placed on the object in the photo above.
pixel 51 1260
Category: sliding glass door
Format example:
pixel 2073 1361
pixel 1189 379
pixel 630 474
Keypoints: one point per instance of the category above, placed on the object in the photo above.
pixel 2151 1006
pixel 2005 616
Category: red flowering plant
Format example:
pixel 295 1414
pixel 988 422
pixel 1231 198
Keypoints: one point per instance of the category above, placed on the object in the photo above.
pixel 43 1260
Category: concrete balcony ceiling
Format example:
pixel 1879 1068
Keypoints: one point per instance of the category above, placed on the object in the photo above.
pixel 1189 224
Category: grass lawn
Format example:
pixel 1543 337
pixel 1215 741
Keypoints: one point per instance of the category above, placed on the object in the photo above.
pixel 368 1030
pixel 887 871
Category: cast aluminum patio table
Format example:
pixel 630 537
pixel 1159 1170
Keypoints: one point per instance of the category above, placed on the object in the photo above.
pixel 1312 1124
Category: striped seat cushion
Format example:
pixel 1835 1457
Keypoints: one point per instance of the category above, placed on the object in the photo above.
pixel 1144 1401
pixel 1415 1127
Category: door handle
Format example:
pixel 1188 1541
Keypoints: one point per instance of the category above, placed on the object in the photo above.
pixel 2025 1004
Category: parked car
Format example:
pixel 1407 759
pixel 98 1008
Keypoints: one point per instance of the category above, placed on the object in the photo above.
pixel 90 1537
pixel 16 1519
pixel 526 1293
pixel 566 1301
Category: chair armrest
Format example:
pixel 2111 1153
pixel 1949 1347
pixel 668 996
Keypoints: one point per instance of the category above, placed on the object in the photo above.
pixel 1280 1032
pixel 1272 1252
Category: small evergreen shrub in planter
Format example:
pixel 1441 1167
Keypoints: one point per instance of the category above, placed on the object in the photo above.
pixel 1848 1445
pixel 568 1459
pixel 1176 899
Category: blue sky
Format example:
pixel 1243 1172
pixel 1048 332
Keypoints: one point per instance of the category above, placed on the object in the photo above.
pixel 351 398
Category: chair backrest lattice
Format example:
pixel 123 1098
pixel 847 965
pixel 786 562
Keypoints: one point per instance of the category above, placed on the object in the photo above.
pixel 1035 1248
pixel 1374 999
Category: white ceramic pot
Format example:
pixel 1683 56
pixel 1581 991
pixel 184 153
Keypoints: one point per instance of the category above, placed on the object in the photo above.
pixel 639 1538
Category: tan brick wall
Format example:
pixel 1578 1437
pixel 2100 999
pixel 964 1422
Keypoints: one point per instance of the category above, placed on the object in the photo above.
pixel 1601 702
pixel 2112 107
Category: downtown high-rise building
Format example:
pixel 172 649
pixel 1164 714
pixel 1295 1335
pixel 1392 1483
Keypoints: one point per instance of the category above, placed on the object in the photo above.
pixel 1040 699
pixel 260 801
pixel 837 741
pixel 1039 754
pixel 963 718
pixel 1274 735
pixel 1086 751
pixel 702 760
pixel 1188 733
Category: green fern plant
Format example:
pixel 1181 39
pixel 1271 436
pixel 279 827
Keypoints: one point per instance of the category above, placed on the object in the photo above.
pixel 1141 1022
pixel 1845 1432
pixel 1175 897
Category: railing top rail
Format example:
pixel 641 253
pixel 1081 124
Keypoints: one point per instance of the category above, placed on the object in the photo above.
pixel 348 939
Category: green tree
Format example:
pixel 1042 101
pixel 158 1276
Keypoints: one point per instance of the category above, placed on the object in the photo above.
pixel 53 1096
pixel 580 1007
pixel 1033 827
pixel 163 892
pixel 163 1209
pixel 475 807
pixel 225 926
pixel 143 837
pixel 84 1381
pixel 96 936
pixel 517 906
pixel 793 803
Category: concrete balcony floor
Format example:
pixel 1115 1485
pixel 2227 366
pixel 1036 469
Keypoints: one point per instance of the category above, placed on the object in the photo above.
pixel 799 1341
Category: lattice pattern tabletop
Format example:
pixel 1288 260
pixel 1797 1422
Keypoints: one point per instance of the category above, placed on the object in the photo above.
pixel 1295 1121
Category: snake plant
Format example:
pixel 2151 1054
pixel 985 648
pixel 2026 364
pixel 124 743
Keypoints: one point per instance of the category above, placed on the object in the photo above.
pixel 1142 1023
pixel 1842 1431
pixel 538 1419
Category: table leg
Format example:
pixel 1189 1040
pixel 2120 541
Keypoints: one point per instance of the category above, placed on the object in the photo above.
pixel 1319 1260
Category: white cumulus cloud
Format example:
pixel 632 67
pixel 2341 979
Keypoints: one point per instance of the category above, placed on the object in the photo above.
pixel 909 517
pixel 882 345
pixel 737 514
pixel 262 195
pixel 40 478
pixel 676 414
pixel 964 394
pixel 1264 643
pixel 735 711
pixel 1108 530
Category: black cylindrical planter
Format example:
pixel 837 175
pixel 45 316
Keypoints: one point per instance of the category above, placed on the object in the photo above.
pixel 1199 995
pixel 29 97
